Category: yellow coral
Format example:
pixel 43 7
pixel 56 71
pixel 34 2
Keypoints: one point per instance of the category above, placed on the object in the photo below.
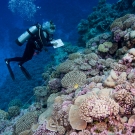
pixel 105 46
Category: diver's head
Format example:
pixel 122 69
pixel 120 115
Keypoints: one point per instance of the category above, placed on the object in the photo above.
pixel 49 27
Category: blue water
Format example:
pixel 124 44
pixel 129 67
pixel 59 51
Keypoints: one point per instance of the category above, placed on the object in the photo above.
pixel 65 14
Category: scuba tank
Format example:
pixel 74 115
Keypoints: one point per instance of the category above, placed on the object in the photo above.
pixel 27 34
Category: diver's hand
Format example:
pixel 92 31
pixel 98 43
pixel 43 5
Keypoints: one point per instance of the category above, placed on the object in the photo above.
pixel 55 44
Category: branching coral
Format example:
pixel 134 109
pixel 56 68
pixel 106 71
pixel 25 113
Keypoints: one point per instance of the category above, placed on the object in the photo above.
pixel 119 67
pixel 123 27
pixel 97 108
pixel 125 100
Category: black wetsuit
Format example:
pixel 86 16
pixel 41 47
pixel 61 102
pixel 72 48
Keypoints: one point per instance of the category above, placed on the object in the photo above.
pixel 34 43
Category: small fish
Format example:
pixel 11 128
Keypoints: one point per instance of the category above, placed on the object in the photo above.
pixel 76 86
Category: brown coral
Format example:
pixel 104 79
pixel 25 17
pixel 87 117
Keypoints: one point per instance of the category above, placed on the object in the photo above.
pixel 75 121
pixel 13 111
pixel 72 78
pixel 40 91
pixel 117 23
pixel 119 67
pixel 108 62
pixel 90 56
pixel 84 132
pixel 129 21
pixel 74 56
pixel 125 100
pixel 65 67
pixel 25 122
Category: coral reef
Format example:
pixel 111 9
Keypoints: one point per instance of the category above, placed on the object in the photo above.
pixel 123 28
pixel 89 92
pixel 101 18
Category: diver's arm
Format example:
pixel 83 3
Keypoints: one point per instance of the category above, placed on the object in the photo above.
pixel 49 39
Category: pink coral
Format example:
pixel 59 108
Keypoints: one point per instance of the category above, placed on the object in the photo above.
pixel 42 130
pixel 127 58
pixel 65 105
pixel 125 100
pixel 73 133
pixel 95 107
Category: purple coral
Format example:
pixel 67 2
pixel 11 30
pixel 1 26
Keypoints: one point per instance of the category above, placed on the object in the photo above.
pixel 42 130
pixel 54 84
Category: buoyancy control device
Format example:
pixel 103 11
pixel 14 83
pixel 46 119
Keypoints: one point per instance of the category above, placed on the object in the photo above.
pixel 27 34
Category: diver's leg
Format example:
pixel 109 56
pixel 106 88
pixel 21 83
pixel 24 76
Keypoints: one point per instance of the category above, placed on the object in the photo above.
pixel 28 54
pixel 10 70
pixel 25 72
pixel 29 50
pixel 8 60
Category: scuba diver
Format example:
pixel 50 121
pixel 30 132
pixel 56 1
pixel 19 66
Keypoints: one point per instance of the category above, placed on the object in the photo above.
pixel 37 37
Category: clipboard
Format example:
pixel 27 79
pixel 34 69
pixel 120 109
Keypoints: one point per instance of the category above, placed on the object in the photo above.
pixel 59 43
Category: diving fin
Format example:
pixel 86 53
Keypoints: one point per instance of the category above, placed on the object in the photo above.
pixel 25 72
pixel 10 70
